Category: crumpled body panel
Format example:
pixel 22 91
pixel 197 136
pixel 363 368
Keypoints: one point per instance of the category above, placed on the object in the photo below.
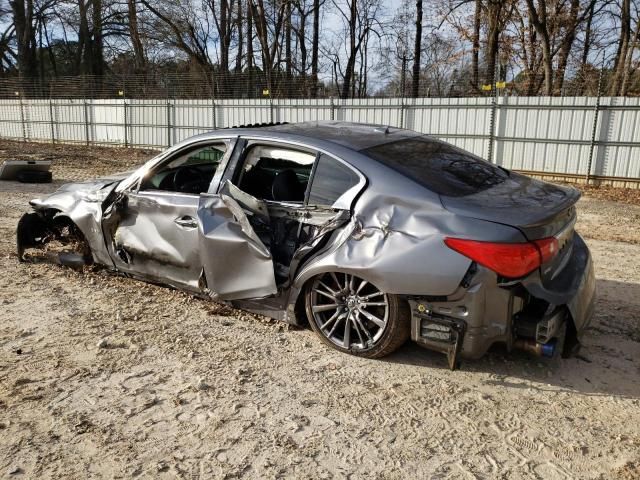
pixel 236 263
pixel 395 245
pixel 145 239
pixel 82 203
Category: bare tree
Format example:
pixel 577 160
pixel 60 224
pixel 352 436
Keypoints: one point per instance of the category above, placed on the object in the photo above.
pixel 134 33
pixel 415 83
pixel 623 48
pixel 23 17
pixel 360 20
pixel 315 44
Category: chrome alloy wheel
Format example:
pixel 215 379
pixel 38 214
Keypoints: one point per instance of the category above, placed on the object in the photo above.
pixel 348 311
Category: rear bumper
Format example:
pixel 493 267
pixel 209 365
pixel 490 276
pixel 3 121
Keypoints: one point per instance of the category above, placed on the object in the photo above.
pixel 574 287
pixel 483 312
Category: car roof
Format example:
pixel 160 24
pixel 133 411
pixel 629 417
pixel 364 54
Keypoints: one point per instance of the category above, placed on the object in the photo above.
pixel 354 136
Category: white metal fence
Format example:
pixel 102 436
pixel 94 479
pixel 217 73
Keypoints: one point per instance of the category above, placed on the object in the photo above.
pixel 570 136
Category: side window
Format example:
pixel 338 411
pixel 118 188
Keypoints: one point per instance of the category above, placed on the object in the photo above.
pixel 276 173
pixel 330 181
pixel 187 172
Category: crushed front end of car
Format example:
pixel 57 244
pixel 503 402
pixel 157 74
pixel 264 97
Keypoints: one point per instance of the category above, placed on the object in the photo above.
pixel 64 227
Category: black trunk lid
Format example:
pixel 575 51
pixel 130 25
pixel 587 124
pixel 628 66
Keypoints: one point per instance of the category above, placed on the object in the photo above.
pixel 538 209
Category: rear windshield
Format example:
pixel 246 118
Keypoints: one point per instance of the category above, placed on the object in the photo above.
pixel 442 168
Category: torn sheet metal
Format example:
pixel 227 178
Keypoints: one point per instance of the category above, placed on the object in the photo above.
pixel 394 244
pixel 236 263
pixel 82 203
pixel 55 236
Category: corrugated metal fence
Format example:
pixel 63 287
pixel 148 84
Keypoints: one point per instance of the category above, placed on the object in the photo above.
pixel 579 137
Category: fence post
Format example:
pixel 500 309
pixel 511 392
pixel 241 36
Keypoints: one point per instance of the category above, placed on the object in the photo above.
pixel 492 118
pixel 22 120
pixel 596 114
pixel 86 120
pixel 213 100
pixel 403 81
pixel 52 121
pixel 492 126
pixel 270 107
pixel 168 123
pixel 213 111
pixel 126 133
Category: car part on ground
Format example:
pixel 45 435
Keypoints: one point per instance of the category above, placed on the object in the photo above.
pixel 26 171
pixel 458 260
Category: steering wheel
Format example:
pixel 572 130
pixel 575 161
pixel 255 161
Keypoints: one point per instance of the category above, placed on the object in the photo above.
pixel 187 179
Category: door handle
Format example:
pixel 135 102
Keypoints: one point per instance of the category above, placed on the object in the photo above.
pixel 186 222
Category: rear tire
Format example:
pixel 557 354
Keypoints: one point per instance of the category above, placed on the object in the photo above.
pixel 353 316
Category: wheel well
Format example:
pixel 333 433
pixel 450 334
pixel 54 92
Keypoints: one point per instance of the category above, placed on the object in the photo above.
pixel 299 308
pixel 36 229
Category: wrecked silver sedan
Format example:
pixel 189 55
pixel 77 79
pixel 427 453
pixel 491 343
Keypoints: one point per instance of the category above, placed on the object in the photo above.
pixel 371 234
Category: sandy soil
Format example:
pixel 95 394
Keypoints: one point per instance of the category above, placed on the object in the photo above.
pixel 102 376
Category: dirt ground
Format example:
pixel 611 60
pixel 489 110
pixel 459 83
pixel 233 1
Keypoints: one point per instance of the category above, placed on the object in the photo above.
pixel 102 376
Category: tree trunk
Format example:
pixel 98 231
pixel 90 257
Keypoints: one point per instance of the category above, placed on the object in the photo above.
pixel 627 67
pixel 260 20
pixel 83 55
pixel 493 36
pixel 547 61
pixel 415 85
pixel 25 37
pixel 539 21
pixel 494 11
pixel 587 37
pixel 314 47
pixel 566 45
pixel 138 50
pixel 475 56
pixel 250 47
pixel 287 48
pixel 347 85
pixel 623 49
pixel 97 60
pixel 240 38
pixel 224 38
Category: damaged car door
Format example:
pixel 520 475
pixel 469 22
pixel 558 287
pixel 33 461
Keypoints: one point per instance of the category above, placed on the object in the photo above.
pixel 285 201
pixel 152 228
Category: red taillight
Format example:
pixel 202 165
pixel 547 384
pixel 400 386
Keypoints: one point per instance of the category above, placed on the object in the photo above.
pixel 511 260
pixel 548 248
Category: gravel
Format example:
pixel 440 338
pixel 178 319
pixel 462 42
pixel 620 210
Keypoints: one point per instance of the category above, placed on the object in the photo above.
pixel 239 396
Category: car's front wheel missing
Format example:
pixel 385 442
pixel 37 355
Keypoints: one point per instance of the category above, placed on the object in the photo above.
pixel 354 316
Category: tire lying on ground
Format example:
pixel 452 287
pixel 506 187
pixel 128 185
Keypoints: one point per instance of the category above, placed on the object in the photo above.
pixel 30 176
